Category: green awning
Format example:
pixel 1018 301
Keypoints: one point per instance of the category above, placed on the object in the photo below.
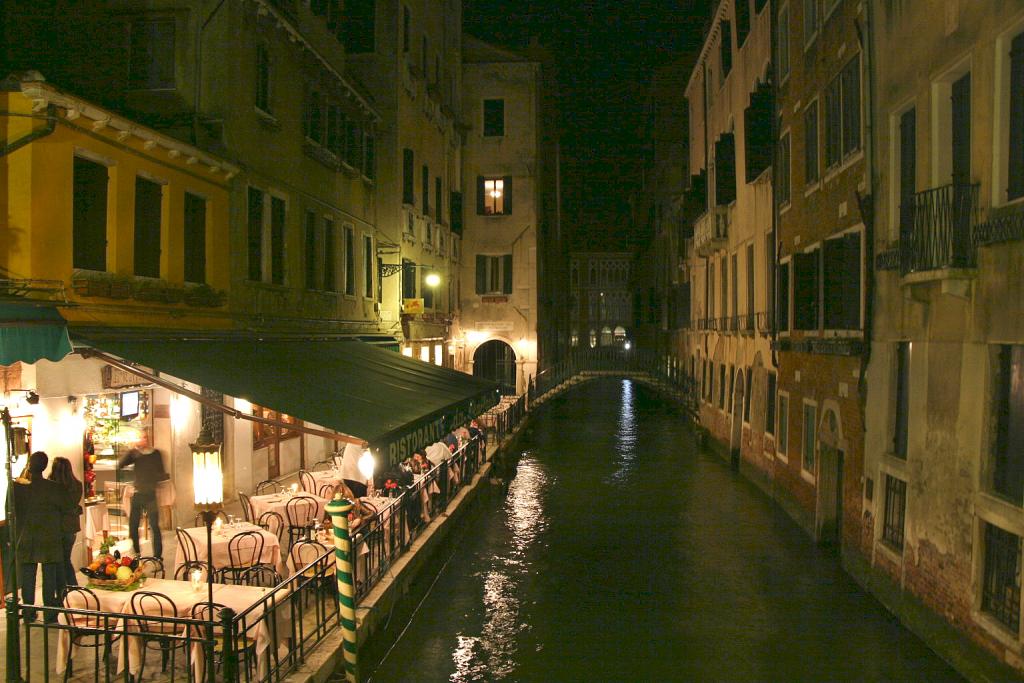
pixel 30 332
pixel 393 402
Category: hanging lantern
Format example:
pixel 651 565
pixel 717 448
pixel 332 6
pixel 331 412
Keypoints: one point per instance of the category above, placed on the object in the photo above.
pixel 207 476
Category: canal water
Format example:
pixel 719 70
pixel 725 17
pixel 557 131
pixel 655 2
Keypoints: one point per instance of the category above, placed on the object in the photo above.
pixel 622 552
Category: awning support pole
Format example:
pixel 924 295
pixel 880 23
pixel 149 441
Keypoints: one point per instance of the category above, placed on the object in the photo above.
pixel 199 398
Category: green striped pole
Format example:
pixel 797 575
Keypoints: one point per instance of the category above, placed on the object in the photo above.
pixel 338 510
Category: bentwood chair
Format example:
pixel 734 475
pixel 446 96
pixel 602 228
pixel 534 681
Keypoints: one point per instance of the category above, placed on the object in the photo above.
pixel 272 522
pixel 246 507
pixel 187 545
pixel 166 635
pixel 306 482
pixel 268 486
pixel 326 491
pixel 184 572
pixel 262 575
pixel 301 512
pixel 322 466
pixel 87 630
pixel 244 645
pixel 245 550
pixel 153 567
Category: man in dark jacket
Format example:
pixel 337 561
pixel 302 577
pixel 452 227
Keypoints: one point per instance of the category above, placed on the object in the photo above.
pixel 149 472
pixel 41 506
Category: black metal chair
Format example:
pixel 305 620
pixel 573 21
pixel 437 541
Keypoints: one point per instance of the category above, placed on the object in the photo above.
pixel 245 550
pixel 306 482
pixel 245 646
pixel 159 632
pixel 262 575
pixel 326 491
pixel 322 466
pixel 184 571
pixel 87 630
pixel 274 523
pixel 153 567
pixel 246 507
pixel 301 512
pixel 187 545
pixel 268 486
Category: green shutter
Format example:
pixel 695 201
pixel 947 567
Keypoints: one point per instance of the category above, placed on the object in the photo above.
pixel 480 195
pixel 508 196
pixel 506 267
pixel 481 274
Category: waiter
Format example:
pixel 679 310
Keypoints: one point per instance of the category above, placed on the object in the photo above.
pixel 149 472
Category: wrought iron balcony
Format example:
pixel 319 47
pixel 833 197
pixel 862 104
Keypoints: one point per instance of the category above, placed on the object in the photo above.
pixel 936 230
pixel 764 322
pixel 711 231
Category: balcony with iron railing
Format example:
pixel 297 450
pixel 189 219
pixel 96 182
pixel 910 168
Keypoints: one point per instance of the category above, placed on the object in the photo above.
pixel 936 235
pixel 711 231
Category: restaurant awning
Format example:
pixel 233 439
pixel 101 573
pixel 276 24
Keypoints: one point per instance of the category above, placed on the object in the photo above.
pixel 30 331
pixel 393 402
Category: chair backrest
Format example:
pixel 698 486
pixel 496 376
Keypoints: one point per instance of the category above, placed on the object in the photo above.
pixel 261 575
pixel 153 604
pixel 268 486
pixel 272 522
pixel 187 545
pixel 79 598
pixel 246 507
pixel 322 466
pixel 306 482
pixel 304 552
pixel 326 491
pixel 245 549
pixel 301 511
pixel 152 567
pixel 184 571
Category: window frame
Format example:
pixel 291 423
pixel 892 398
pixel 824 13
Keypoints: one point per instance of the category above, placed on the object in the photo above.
pixel 893 537
pixel 88 249
pixel 264 80
pixel 185 231
pixel 484 118
pixel 133 85
pixel 349 231
pixel 782 430
pixel 783 44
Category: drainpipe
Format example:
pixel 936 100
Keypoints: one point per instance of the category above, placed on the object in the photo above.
pixel 198 72
pixel 773 43
pixel 50 119
pixel 866 205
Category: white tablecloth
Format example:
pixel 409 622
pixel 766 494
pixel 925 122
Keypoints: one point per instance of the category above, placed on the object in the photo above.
pixel 271 554
pixel 324 477
pixel 184 597
pixel 276 502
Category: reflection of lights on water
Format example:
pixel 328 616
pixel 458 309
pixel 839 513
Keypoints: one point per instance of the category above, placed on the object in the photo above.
pixel 625 438
pixel 492 654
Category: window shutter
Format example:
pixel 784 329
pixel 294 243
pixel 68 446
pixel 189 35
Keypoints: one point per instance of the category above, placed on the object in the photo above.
pixel 805 291
pixel 961 124
pixel 506 268
pixel 834 272
pixel 851 282
pixel 480 195
pixel 481 274
pixel 1015 184
pixel 508 195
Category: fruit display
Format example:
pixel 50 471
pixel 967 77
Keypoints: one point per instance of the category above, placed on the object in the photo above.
pixel 113 571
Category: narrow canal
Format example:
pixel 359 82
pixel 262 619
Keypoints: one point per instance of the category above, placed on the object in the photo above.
pixel 622 552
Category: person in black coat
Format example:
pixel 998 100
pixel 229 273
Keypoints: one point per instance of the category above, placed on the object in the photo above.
pixel 149 472
pixel 63 474
pixel 41 506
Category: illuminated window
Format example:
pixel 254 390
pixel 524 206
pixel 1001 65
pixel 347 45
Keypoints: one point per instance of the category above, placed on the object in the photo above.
pixel 437 354
pixel 407 351
pixel 494 196
pixel 425 354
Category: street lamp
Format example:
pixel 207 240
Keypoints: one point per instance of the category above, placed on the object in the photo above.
pixel 208 485
pixel 366 467
pixel 432 279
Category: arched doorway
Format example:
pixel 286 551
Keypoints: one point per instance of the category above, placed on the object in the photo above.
pixel 495 360
pixel 829 512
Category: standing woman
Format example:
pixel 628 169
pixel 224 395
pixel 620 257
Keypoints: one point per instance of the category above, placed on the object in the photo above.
pixel 71 522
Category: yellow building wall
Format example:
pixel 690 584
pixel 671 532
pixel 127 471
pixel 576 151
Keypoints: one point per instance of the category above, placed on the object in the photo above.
pixel 36 234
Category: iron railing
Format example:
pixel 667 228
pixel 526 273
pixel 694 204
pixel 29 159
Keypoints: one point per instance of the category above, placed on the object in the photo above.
pixel 936 232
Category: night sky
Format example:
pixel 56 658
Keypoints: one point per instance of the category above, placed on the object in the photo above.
pixel 604 52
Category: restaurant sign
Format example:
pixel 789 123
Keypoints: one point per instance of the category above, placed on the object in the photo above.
pixel 412 306
pixel 432 430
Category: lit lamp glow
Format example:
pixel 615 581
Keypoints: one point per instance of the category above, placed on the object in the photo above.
pixel 208 487
pixel 366 466
pixel 432 280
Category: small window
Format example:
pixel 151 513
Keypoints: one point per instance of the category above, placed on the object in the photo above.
pixel 255 235
pixel 263 78
pixel 311 253
pixel 277 228
pixel 368 266
pixel 902 400
pixel 806 275
pixel 350 260
pixel 494 196
pixel 494 118
pixel 726 48
pixel 810 437
pixel 149 197
pixel 408 182
pixel 1015 171
pixel 841 282
pixel 89 215
pixel 783 447
pixel 811 165
pixel 437 199
pixel 494 274
pixel 1008 460
pixel 336 122
pixel 842 114
pixel 330 256
pixel 314 116
pixel 1000 589
pixel 782 296
pixel 353 144
pixel 895 511
pixel 769 404
pixel 151 54
pixel 425 190
pixel 195 238
pixel 370 157
pixel 357 26
pixel 408 279
pixel 782 185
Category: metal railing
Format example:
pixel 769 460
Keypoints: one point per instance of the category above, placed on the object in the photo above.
pixel 936 232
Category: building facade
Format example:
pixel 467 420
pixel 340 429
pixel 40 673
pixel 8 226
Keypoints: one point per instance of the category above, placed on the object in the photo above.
pixel 821 181
pixel 601 299
pixel 943 465
pixel 729 146
pixel 408 53
pixel 498 307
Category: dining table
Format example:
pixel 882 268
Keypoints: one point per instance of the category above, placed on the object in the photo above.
pixel 221 537
pixel 323 478
pixel 184 597
pixel 277 502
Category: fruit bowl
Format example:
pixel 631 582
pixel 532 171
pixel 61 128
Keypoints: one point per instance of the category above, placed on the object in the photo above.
pixel 114 572
pixel 126 584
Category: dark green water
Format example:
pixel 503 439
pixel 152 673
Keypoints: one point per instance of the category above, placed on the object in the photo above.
pixel 623 553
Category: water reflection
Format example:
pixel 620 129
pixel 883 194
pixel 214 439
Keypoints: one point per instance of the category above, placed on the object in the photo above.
pixel 492 654
pixel 625 438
